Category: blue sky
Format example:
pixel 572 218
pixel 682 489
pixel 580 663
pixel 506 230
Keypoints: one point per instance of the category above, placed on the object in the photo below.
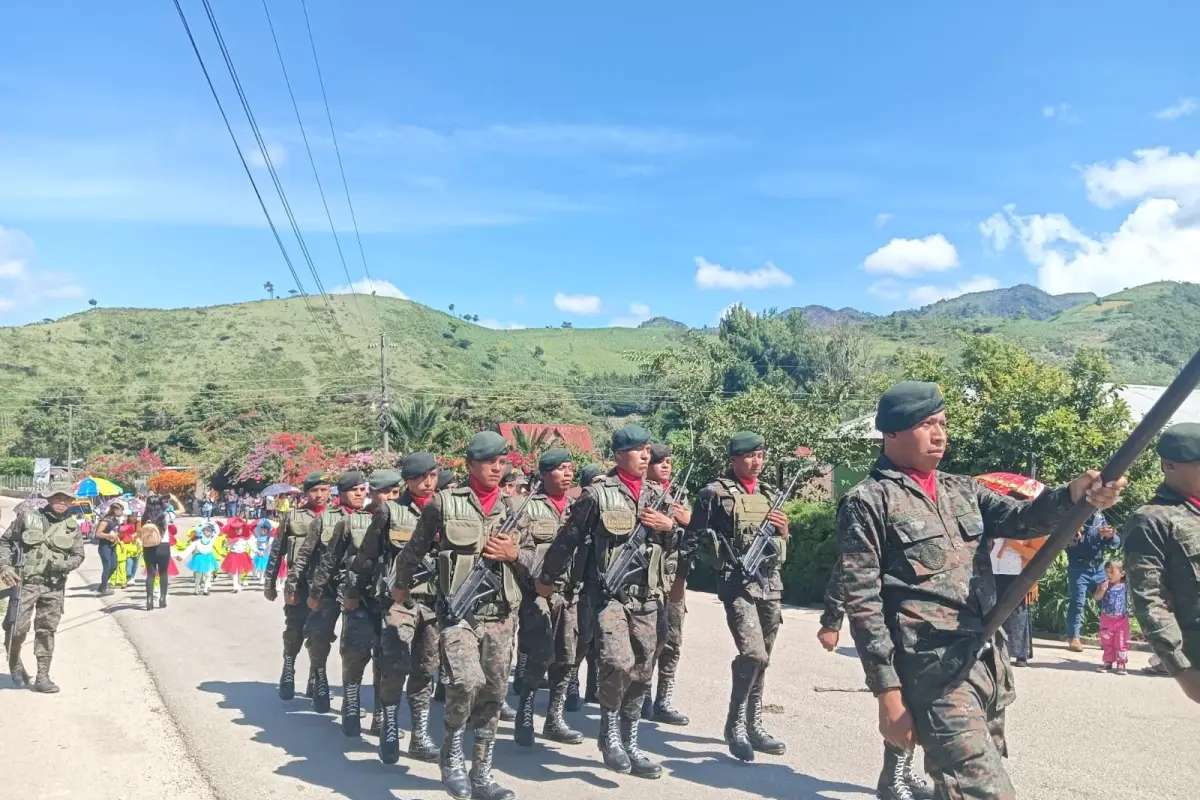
pixel 535 163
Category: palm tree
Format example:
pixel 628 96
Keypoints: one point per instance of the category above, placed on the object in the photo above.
pixel 270 287
pixel 535 444
pixel 412 425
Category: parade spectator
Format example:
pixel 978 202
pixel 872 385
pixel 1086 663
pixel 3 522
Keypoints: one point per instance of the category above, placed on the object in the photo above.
pixel 106 536
pixel 1009 557
pixel 1085 570
pixel 1114 617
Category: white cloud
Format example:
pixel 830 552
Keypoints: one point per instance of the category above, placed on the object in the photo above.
pixel 638 313
pixel 906 257
pixel 23 287
pixel 275 152
pixel 924 295
pixel 1183 107
pixel 577 303
pixel 714 276
pixel 888 289
pixel 883 219
pixel 1154 172
pixel 368 286
pixel 996 231
pixel 500 326
pixel 1061 111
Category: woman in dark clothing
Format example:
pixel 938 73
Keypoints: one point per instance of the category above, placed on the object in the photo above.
pixel 156 548
pixel 106 539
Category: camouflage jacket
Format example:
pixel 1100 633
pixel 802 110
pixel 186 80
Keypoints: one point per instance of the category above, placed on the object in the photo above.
pixel 329 570
pixel 529 522
pixel 281 546
pixel 835 604
pixel 714 510
pixel 583 541
pixel 300 574
pixel 917 576
pixel 1162 560
pixel 12 544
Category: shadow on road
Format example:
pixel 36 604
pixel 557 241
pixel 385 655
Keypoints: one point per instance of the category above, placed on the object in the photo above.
pixel 314 742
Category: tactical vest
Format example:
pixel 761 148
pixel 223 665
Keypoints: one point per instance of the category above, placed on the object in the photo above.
pixel 403 521
pixel 544 523
pixel 42 540
pixel 749 512
pixel 329 520
pixel 617 522
pixel 355 525
pixel 301 522
pixel 464 530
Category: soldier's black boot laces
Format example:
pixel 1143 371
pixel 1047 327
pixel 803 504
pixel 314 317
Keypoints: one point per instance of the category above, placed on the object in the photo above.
pixel 420 746
pixel 574 701
pixel 287 679
pixel 320 695
pixel 351 724
pixel 389 735
pixel 615 757
pixel 556 728
pixel 892 784
pixel 523 733
pixel 639 763
pixel 735 731
pixel 453 765
pixel 664 705
pixel 483 787
pixel 760 739
pixel 916 784
pixel 518 684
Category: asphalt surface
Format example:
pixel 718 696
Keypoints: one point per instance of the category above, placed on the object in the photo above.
pixel 214 662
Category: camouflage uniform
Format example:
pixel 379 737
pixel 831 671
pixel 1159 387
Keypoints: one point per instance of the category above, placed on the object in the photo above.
pixel 341 575
pixel 52 548
pixel 668 660
pixel 1162 560
pixel 752 612
pixel 284 551
pixel 319 625
pixel 475 652
pixel 917 580
pixel 630 631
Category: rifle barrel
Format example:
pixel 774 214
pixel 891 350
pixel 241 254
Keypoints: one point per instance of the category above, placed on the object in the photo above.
pixel 1154 421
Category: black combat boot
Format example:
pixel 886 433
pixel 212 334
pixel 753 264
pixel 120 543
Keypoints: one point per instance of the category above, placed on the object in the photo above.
pixel 439 688
pixel 320 691
pixel 351 724
pixel 482 785
pixel 523 732
pixel 917 786
pixel 389 735
pixel 760 739
pixel 555 728
pixel 639 763
pixel 453 765
pixel 43 683
pixel 735 724
pixel 647 705
pixel 574 701
pixel 609 739
pixel 591 692
pixel 664 710
pixel 287 678
pixel 891 785
pixel 310 687
pixel 16 669
pixel 507 712
pixel 518 681
pixel 420 746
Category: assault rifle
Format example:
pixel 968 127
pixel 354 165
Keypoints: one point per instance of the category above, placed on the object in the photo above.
pixel 14 609
pixel 750 565
pixel 633 553
pixel 483 580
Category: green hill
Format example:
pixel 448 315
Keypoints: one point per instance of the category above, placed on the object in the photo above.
pixel 1013 302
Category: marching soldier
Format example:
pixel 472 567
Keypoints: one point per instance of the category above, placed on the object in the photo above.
pixel 461 526
pixel 628 626
pixel 409 642
pixel 37 552
pixel 333 587
pixel 549 626
pixel 323 607
pixel 1162 545
pixel 663 709
pixel 917 585
pixel 737 505
pixel 284 550
pixel 587 650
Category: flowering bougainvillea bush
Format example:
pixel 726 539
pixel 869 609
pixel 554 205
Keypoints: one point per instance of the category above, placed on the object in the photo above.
pixel 288 457
pixel 123 469
pixel 181 483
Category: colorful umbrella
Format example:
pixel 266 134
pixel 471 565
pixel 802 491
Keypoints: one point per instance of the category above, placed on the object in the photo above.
pixel 1010 483
pixel 278 488
pixel 96 487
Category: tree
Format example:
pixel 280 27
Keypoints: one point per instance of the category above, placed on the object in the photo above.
pixel 92 303
pixel 567 325
pixel 292 292
pixel 60 420
pixel 270 287
pixel 534 445
pixel 413 425
pixel 452 308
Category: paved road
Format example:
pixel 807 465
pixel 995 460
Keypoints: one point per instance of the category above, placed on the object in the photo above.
pixel 214 660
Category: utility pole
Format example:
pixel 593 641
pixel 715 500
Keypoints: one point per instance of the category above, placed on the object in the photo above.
pixel 70 442
pixel 383 394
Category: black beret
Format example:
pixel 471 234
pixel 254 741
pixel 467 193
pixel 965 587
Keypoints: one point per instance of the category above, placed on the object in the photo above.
pixel 629 437
pixel 349 480
pixel 553 458
pixel 744 442
pixel 1180 443
pixel 314 479
pixel 906 404
pixel 485 445
pixel 590 473
pixel 415 465
pixel 659 453
pixel 384 479
pixel 445 478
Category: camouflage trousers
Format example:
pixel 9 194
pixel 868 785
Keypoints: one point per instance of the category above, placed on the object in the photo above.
pixel 319 630
pixel 668 659
pixel 360 639
pixel 630 636
pixel 408 649
pixel 549 636
pixel 476 657
pixel 962 732
pixel 294 617
pixel 41 608
pixel 754 624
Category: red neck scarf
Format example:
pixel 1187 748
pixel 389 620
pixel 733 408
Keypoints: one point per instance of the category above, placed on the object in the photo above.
pixel 559 501
pixel 926 480
pixel 487 497
pixel 1195 501
pixel 420 502
pixel 316 509
pixel 750 485
pixel 632 482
